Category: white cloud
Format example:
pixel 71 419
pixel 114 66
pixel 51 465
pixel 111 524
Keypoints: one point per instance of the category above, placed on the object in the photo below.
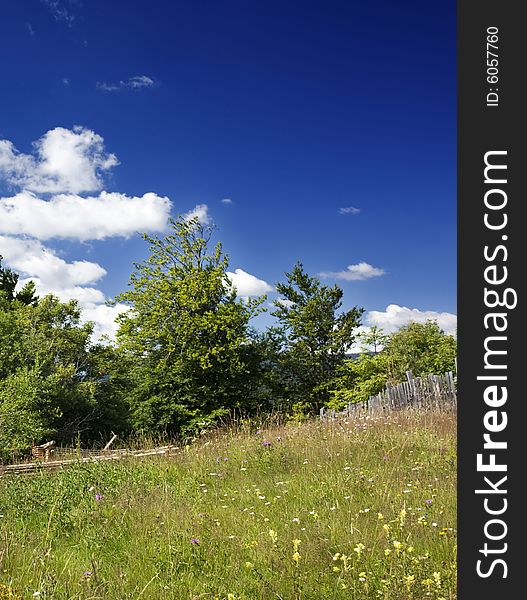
pixel 75 217
pixel 283 302
pixel 68 281
pixel 64 160
pixel 64 164
pixel 134 83
pixel 357 272
pixel 247 284
pixel 103 318
pixel 201 211
pixel 349 210
pixel 84 295
pixel 226 200
pixel 33 259
pixel 396 316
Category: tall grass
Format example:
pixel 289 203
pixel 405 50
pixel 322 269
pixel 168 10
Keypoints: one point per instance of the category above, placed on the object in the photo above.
pixel 363 508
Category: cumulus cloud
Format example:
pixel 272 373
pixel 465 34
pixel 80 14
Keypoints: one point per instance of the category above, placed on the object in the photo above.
pixel 65 163
pixel 63 160
pixel 396 316
pixel 133 83
pixel 349 210
pixel 70 216
pixel 68 281
pixel 357 272
pixel 201 211
pixel 33 259
pixel 103 318
pixel 247 284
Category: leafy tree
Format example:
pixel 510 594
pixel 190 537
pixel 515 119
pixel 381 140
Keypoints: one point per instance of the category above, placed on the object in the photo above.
pixel 422 348
pixel 264 384
pixel 186 332
pixel 8 283
pixel 359 379
pixel 315 337
pixel 22 411
pixel 373 340
pixel 49 383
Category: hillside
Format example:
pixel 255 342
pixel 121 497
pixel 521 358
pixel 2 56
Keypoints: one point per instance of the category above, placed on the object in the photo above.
pixel 362 508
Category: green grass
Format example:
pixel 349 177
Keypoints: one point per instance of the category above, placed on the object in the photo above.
pixel 359 509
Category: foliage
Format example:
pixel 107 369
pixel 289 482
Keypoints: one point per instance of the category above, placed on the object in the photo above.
pixel 421 348
pixel 22 411
pixel 185 333
pixel 315 337
pixel 49 383
pixel 8 283
pixel 186 356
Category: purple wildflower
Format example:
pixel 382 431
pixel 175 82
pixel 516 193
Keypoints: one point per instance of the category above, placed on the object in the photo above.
pixel 266 443
pixel 98 497
pixel 258 431
pixel 87 573
pixel 194 541
pixel 428 502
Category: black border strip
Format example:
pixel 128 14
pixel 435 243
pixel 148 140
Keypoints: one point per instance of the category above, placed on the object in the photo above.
pixel 489 125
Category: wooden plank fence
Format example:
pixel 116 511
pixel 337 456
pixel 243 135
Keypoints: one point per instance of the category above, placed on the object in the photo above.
pixel 84 456
pixel 433 391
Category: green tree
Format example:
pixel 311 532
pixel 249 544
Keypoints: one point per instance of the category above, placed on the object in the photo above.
pixel 8 283
pixel 422 348
pixel 185 333
pixel 49 373
pixel 22 411
pixel 373 340
pixel 315 337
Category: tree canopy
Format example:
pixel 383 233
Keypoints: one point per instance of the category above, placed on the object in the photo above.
pixel 185 332
pixel 186 354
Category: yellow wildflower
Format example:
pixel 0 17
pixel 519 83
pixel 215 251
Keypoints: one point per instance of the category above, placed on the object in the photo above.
pixel 437 578
pixel 296 557
pixel 359 548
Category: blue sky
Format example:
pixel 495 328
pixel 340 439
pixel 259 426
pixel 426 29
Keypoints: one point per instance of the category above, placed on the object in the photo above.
pixel 330 126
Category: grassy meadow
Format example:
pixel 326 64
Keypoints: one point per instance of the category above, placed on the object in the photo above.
pixel 360 508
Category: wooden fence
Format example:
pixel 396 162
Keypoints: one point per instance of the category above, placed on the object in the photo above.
pixel 83 456
pixel 432 391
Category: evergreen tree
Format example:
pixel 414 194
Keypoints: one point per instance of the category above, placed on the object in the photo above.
pixel 316 336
